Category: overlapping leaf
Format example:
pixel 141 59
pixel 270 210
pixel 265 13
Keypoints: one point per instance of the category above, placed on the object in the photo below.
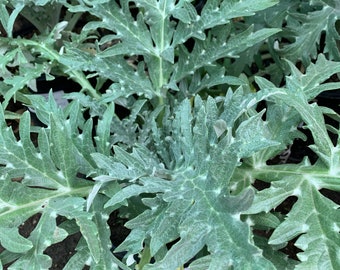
pixel 309 218
pixel 40 179
pixel 198 158
pixel 318 235
pixel 208 51
pixel 305 23
pixel 307 30
pixel 192 201
pixel 153 34
pixel 213 14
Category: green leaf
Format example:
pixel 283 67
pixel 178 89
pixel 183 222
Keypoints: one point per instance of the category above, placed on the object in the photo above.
pixel 251 131
pixel 312 83
pixel 127 79
pixel 279 259
pixel 317 234
pixel 103 131
pixel 7 20
pixel 43 14
pixel 213 48
pixel 153 34
pixel 306 29
pixel 308 219
pixel 108 260
pixel 19 82
pixel 74 208
pixel 45 234
pixel 11 240
pixel 117 17
pixel 282 121
pixel 78 260
pixel 22 160
pixel 299 92
pixel 78 144
pixel 199 173
pixel 214 13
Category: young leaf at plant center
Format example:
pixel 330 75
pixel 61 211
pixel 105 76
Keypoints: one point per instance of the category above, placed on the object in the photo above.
pixel 198 182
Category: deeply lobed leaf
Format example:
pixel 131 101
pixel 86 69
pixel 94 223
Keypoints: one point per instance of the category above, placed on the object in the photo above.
pixel 200 166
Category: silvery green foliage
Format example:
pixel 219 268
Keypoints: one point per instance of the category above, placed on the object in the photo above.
pixel 304 24
pixel 318 234
pixel 180 165
pixel 197 159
